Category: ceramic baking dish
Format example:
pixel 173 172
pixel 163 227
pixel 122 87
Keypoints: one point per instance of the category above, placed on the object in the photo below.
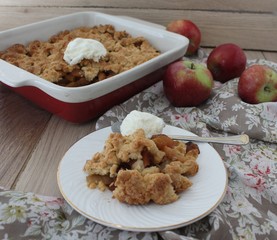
pixel 81 104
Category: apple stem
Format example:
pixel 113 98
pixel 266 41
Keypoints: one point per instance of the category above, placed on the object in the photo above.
pixel 192 66
pixel 267 89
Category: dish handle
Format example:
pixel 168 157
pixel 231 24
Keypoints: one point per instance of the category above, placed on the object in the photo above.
pixel 16 78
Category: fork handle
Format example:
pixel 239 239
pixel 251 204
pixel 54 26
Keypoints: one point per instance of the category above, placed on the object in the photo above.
pixel 234 140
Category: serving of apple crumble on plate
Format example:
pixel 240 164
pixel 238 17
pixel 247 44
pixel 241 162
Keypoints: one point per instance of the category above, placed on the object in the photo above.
pixel 208 189
pixel 46 58
pixel 139 170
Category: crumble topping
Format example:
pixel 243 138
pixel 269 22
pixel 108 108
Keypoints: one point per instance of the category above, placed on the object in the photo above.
pixel 45 58
pixel 139 170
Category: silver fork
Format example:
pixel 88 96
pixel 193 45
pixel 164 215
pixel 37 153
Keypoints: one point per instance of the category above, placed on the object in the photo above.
pixel 234 140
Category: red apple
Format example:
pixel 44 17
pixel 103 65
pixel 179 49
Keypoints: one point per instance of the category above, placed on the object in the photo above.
pixel 227 61
pixel 258 84
pixel 187 84
pixel 188 29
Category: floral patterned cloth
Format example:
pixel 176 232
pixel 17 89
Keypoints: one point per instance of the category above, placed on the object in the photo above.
pixel 248 210
pixel 29 216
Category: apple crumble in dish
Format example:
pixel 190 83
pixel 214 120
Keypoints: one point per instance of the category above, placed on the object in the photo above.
pixel 139 170
pixel 46 58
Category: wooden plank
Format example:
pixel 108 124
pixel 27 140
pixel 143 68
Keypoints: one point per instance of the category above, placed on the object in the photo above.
pixel 249 54
pixel 222 5
pixel 249 30
pixel 21 126
pixel 271 56
pixel 40 173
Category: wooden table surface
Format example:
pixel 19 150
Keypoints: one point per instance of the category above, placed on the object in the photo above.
pixel 33 141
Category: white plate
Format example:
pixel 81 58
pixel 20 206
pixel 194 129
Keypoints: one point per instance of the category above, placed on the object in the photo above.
pixel 207 191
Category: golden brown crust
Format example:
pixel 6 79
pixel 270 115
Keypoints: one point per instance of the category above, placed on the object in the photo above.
pixel 118 150
pixel 45 59
pixel 160 188
pixel 130 187
pixel 139 170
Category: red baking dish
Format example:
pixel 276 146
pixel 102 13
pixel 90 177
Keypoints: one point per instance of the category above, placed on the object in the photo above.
pixel 81 104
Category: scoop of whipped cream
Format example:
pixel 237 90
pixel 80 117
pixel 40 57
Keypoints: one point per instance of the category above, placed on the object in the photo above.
pixel 151 124
pixel 83 48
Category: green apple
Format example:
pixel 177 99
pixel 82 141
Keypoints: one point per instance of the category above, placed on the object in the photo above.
pixel 187 84
pixel 258 84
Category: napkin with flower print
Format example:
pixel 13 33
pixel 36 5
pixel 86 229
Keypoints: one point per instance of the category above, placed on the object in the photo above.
pixel 225 111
